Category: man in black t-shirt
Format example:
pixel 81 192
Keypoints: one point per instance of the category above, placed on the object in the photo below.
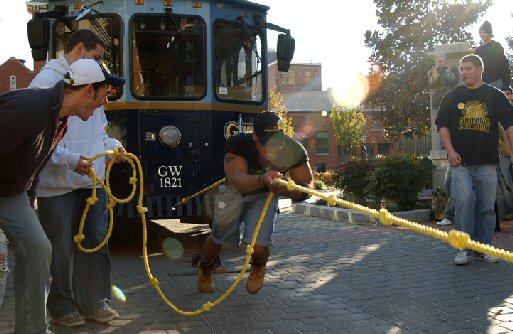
pixel 251 163
pixel 468 125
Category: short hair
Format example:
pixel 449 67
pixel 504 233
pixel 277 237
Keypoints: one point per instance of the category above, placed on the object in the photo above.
pixel 474 59
pixel 85 36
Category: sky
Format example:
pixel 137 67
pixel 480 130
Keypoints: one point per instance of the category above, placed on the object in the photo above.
pixel 330 34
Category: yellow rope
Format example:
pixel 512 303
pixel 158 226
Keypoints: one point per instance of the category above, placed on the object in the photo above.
pixel 201 192
pixel 137 168
pixel 457 239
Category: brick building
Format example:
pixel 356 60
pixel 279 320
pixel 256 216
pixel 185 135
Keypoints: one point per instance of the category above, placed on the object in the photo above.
pixel 14 75
pixel 309 107
pixel 300 77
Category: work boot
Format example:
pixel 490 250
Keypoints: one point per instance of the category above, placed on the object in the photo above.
pixel 255 278
pixel 205 283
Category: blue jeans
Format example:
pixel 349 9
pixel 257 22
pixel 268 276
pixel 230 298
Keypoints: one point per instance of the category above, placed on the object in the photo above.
pixel 4 265
pixel 231 209
pixel 81 281
pixel 473 189
pixel 33 253
pixel 449 207
pixel 505 180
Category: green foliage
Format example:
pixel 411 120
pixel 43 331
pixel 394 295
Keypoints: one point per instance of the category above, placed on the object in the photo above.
pixel 399 178
pixel 510 53
pixel 353 177
pixel 319 184
pixel 349 126
pixel 409 30
pixel 276 103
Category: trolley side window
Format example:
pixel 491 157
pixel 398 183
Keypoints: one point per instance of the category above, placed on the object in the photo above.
pixel 108 27
pixel 237 62
pixel 168 57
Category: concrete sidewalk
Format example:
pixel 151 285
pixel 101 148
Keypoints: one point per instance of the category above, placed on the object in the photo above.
pixel 323 277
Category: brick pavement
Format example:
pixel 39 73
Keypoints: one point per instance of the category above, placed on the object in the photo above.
pixel 323 277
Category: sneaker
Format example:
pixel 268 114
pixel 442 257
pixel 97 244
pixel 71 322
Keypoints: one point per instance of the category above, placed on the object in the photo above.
pixel 205 282
pixel 461 258
pixel 73 319
pixel 102 314
pixel 444 222
pixel 255 278
pixel 486 257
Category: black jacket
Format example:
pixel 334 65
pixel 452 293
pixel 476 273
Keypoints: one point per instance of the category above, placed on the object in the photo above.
pixel 496 65
pixel 28 124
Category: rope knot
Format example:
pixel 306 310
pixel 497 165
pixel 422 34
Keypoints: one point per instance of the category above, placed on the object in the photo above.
pixel 92 200
pixel 142 209
pixel 184 200
pixel 79 238
pixel 133 180
pixel 91 172
pixel 385 217
pixel 291 185
pixel 154 281
pixel 458 239
pixel 111 205
pixel 332 200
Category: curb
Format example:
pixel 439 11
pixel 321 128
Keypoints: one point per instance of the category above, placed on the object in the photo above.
pixel 354 217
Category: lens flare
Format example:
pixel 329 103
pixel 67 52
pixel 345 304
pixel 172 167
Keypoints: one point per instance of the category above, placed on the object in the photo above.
pixel 118 294
pixel 172 248
pixel 351 93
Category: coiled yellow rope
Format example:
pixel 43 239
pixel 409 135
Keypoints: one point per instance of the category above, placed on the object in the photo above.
pixel 137 168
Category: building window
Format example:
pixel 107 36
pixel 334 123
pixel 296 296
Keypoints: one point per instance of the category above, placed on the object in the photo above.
pixel 292 78
pixel 377 125
pixel 322 142
pixel 12 82
pixel 284 78
pixel 308 76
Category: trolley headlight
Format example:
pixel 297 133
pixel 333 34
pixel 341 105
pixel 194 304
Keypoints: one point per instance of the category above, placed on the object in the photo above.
pixel 170 136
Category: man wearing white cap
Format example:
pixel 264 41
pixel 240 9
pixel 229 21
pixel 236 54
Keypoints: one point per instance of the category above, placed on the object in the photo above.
pixel 83 284
pixel 31 125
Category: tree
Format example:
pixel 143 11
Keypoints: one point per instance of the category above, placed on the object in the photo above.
pixel 349 126
pixel 409 30
pixel 276 104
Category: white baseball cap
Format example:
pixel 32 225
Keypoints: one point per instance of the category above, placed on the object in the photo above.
pixel 89 71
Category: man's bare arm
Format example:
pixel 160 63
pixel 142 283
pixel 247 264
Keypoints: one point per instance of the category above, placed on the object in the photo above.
pixel 236 172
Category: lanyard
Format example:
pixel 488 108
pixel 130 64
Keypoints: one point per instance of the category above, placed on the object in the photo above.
pixel 61 131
